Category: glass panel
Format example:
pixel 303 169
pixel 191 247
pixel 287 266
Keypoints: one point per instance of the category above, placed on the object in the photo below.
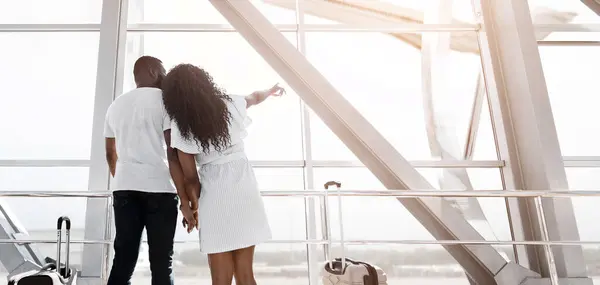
pixel 570 36
pixel 381 76
pixel 275 133
pixel 42 224
pixel 487 215
pixel 585 208
pixel 409 264
pixel 48 92
pixel 485 142
pixel 591 254
pixel 286 214
pixel 570 77
pixel 384 11
pixel 561 12
pixel 50 12
pixel 279 179
pixel 194 12
pixel 3 273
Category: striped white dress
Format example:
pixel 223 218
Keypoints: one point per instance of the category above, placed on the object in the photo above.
pixel 231 211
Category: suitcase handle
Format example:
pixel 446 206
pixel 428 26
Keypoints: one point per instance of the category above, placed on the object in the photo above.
pixel 332 183
pixel 63 220
pixel 338 185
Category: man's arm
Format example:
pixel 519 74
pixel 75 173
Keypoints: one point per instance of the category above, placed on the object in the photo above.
pixel 111 154
pixel 258 97
pixel 191 181
pixel 175 169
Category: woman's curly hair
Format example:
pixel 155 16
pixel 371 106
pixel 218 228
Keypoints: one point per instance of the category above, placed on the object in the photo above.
pixel 197 105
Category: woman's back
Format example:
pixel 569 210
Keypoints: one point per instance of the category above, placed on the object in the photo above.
pixel 237 130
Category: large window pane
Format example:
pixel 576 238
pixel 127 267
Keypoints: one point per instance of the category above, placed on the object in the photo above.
pixel 193 12
pixel 570 77
pixel 485 142
pixel 591 255
pixel 3 273
pixel 392 11
pixel 571 36
pixel 50 12
pixel 487 215
pixel 549 11
pixel 275 133
pixel 279 178
pixel 586 213
pixel 48 84
pixel 381 76
pixel 42 224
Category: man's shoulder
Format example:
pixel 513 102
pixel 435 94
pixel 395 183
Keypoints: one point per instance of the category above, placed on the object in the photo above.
pixel 138 96
pixel 140 92
pixel 146 92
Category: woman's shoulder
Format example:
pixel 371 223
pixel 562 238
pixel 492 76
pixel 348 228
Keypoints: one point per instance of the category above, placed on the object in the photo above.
pixel 178 141
pixel 239 101
pixel 239 117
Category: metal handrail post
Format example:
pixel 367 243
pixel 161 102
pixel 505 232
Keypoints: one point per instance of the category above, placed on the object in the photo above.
pixel 546 238
pixel 108 237
pixel 325 227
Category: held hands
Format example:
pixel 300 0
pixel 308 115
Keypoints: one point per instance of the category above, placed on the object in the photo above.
pixel 190 216
pixel 189 210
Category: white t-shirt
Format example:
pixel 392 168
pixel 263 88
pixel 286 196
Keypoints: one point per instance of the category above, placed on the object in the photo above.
pixel 137 120
pixel 237 132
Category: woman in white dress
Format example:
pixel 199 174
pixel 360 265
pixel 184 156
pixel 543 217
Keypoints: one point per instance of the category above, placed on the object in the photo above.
pixel 208 130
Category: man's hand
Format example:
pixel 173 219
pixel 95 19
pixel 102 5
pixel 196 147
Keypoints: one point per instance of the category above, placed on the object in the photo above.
pixel 194 198
pixel 190 218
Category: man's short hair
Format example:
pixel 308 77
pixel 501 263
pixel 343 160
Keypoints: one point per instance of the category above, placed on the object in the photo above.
pixel 148 65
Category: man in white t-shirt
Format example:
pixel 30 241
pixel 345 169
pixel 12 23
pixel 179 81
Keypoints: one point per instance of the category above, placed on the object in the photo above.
pixel 137 128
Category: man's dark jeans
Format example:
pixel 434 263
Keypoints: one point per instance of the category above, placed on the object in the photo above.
pixel 157 212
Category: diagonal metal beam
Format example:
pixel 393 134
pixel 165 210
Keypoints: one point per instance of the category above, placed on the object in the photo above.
pixel 108 85
pixel 377 12
pixel 520 101
pixel 380 12
pixel 521 215
pixel 475 118
pixel 482 263
pixel 435 49
pixel 594 5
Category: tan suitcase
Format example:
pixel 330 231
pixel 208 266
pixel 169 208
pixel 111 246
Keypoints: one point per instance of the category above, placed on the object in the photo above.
pixel 346 271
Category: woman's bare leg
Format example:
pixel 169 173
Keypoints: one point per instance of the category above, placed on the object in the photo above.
pixel 221 268
pixel 243 260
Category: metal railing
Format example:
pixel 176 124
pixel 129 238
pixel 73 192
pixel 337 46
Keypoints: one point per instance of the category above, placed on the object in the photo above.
pixel 534 194
pixel 73 194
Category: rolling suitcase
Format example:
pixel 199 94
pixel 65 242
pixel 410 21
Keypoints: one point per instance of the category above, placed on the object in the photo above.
pixel 345 270
pixel 52 273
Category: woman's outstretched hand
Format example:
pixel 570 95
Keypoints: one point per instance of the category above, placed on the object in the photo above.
pixel 258 97
pixel 276 90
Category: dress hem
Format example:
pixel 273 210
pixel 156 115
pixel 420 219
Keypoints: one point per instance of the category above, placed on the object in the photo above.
pixel 236 247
